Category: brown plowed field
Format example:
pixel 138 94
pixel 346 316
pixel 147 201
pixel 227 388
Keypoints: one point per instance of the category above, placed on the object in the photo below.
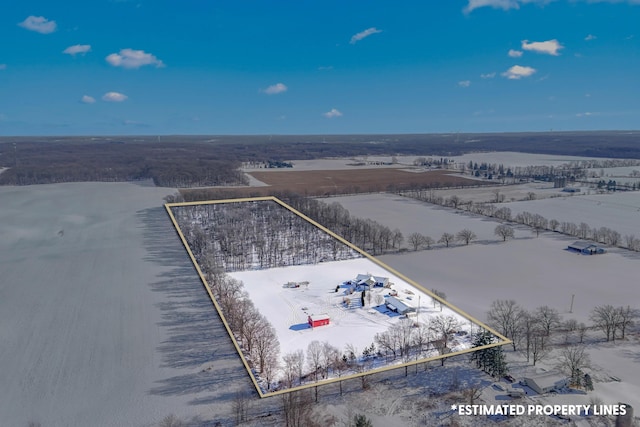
pixel 326 182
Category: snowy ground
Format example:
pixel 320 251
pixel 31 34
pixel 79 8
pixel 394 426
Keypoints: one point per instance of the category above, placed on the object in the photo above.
pixel 103 321
pixel 619 211
pixel 486 194
pixel 287 309
pixel 507 158
pixel 413 216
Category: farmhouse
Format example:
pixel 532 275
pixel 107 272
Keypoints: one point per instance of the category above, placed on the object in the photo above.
pixel 399 306
pixel 318 320
pixel 545 383
pixel 586 248
pixel 370 280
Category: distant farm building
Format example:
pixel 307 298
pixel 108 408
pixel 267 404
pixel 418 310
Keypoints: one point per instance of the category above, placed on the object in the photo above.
pixel 586 248
pixel 370 280
pixel 545 383
pixel 571 190
pixel 398 306
pixel 318 320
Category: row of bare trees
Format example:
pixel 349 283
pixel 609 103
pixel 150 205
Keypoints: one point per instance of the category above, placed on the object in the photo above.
pixel 418 240
pixel 409 340
pixel 531 330
pixel 252 330
pixel 367 234
pixel 537 222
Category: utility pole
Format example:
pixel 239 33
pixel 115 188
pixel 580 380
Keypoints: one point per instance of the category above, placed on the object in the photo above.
pixel 571 308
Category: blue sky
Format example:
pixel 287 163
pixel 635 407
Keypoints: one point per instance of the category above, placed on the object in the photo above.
pixel 310 67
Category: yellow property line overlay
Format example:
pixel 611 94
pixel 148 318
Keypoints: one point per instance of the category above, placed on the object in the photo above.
pixel 503 340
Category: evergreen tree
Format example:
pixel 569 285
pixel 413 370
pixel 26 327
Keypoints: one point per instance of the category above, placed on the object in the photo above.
pixel 361 421
pixel 588 382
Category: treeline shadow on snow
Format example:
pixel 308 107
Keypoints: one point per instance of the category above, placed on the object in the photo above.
pixel 197 343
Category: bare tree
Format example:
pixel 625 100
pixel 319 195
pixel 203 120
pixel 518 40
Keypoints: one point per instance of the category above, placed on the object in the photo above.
pixel 314 357
pixel 506 315
pixel 548 317
pixel 633 243
pixel 625 318
pixel 466 236
pixel 582 331
pixel 504 231
pixel 428 241
pixel 416 240
pixel 171 421
pixel 605 318
pixel 241 404
pixel 297 407
pixel 443 326
pixel 329 354
pixel 538 349
pixel 454 201
pixel 472 393
pixel 572 360
pixel 553 224
pixel 440 295
pixel 583 230
pixel 446 238
pixel 293 367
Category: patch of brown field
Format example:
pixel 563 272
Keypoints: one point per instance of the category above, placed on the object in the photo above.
pixel 327 182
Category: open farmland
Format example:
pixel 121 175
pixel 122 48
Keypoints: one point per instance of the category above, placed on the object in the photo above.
pixel 413 216
pixel 533 271
pixel 619 211
pixel 321 182
pixel 103 321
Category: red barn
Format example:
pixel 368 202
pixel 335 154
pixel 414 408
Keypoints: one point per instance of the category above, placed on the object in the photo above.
pixel 318 320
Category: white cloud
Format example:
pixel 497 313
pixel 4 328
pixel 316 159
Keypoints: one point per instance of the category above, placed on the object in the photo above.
pixel 515 53
pixel 590 37
pixel 496 4
pixel 586 114
pixel 517 72
pixel 114 97
pixel 129 58
pixel 332 114
pixel 275 89
pixel 3 66
pixel 488 75
pixel 325 68
pixel 39 24
pixel 464 83
pixel 550 47
pixel 76 49
pixel 362 34
pixel 86 99
pixel 515 4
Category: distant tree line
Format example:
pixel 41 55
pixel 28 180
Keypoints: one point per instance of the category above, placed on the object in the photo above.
pixel 167 164
pixel 537 222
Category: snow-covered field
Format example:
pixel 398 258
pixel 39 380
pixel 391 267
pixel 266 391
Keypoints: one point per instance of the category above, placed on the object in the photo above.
pixel 103 321
pixel 413 216
pixel 619 211
pixel 507 158
pixel 533 271
pixel 287 309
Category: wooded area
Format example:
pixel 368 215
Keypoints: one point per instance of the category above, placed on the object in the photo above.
pixel 192 161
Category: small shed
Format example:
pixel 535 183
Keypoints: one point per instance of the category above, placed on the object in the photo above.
pixel 586 248
pixel 399 306
pixel 318 320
